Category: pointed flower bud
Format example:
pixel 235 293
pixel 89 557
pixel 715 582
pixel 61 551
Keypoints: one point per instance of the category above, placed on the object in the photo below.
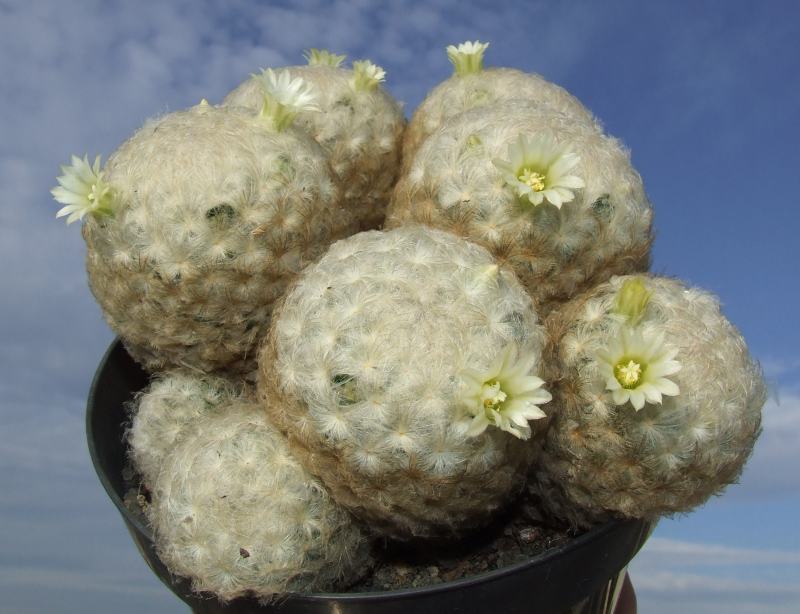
pixel 367 76
pixel 467 58
pixel 323 57
pixel 632 300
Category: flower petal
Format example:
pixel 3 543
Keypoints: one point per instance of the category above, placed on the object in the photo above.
pixel 563 164
pixel 570 181
pixel 651 393
pixel 477 426
pixel 667 387
pixel 637 398
pixel 660 369
pixel 554 197
pixel 620 396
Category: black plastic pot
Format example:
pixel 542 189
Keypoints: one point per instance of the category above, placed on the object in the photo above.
pixel 579 577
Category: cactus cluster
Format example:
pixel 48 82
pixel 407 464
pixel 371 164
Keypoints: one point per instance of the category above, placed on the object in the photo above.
pixel 553 198
pixel 501 336
pixel 232 509
pixel 213 212
pixel 161 413
pixel 357 123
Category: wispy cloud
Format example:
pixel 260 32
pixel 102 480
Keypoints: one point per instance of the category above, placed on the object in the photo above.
pixel 74 580
pixel 676 553
pixel 714 578
pixel 775 367
pixel 768 470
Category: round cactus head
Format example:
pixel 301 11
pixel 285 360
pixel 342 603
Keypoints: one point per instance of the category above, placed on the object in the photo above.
pixel 406 363
pixel 166 409
pixel 236 514
pixel 472 86
pixel 357 123
pixel 551 197
pixel 206 215
pixel 657 403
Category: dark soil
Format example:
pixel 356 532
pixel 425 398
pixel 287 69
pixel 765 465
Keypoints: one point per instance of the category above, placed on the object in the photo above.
pixel 515 537
pixel 519 534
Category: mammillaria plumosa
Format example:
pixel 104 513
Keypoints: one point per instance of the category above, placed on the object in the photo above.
pixel 403 375
pixel 553 198
pixel 166 409
pixel 197 223
pixel 657 403
pixel 471 86
pixel 405 368
pixel 357 123
pixel 234 512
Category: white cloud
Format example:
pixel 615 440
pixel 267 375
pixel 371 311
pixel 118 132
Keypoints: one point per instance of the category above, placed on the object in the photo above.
pixel 671 575
pixel 768 472
pixel 709 587
pixel 73 580
pixel 48 439
pixel 670 552
pixel 775 367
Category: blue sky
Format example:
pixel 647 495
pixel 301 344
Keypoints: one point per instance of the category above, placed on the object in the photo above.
pixel 704 94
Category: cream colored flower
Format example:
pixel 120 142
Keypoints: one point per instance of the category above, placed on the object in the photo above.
pixel 323 57
pixel 504 395
pixel 367 76
pixel 467 57
pixel 636 366
pixel 537 171
pixel 83 190
pixel 285 97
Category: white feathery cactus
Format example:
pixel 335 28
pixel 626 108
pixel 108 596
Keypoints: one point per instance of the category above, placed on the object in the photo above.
pixel 471 86
pixel 357 123
pixel 657 403
pixel 166 409
pixel 405 363
pixel 234 512
pixel 213 211
pixel 403 375
pixel 553 198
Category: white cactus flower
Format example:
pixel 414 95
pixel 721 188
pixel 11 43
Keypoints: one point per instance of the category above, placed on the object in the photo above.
pixel 323 57
pixel 636 366
pixel 367 76
pixel 295 93
pixel 504 395
pixel 467 57
pixel 285 97
pixel 537 171
pixel 83 190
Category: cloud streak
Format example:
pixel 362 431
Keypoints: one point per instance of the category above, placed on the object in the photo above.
pixel 713 578
pixel 661 551
pixel 767 473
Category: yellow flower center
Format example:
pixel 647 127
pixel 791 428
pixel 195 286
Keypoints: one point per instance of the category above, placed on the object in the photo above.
pixel 492 396
pixel 533 179
pixel 628 374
